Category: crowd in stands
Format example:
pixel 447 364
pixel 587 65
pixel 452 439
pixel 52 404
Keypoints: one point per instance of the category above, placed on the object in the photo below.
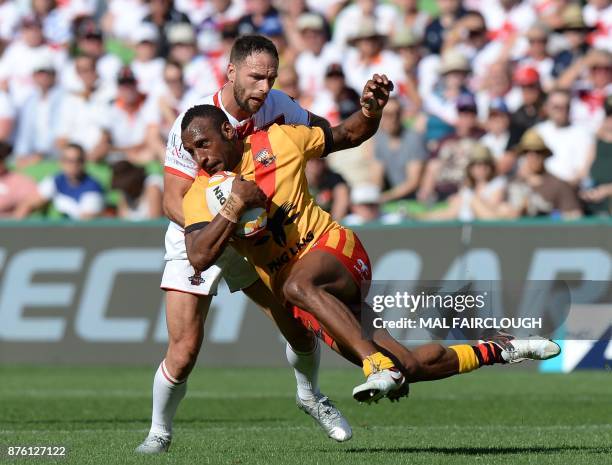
pixel 501 109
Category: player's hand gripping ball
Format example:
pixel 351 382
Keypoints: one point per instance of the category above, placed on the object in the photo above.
pixel 219 187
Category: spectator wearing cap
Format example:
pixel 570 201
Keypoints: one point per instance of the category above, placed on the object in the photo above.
pixel 365 207
pixel 469 36
pixel 14 187
pixel 259 12
pixel 440 104
pixel 182 43
pixel 17 62
pixel 449 12
pixel 368 57
pixel 408 48
pixel 597 186
pixel 535 191
pixel 8 115
pixel 412 17
pixel 141 194
pixel 38 123
pixel 84 116
pixel 481 194
pixel 351 18
pixel 272 28
pixel 162 15
pixel 317 54
pixel 536 54
pixel 446 168
pixel 73 193
pixel 134 123
pixel 598 14
pixel 400 155
pixel 497 136
pixel 590 79
pixel 531 111
pixel 290 14
pixel 568 142
pixel 147 67
pixel 89 40
pixel 329 189
pixel 220 15
pixel 575 31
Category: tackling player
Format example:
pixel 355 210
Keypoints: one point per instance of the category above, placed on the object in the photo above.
pixel 250 103
pixel 306 258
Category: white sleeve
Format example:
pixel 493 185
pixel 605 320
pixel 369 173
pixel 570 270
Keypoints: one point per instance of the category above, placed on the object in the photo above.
pixel 91 203
pixel 178 161
pixel 46 188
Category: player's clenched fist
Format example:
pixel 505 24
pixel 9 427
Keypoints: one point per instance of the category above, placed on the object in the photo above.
pixel 375 95
pixel 249 193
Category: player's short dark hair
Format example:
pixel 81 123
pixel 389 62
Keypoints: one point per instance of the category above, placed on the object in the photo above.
pixel 249 44
pixel 211 112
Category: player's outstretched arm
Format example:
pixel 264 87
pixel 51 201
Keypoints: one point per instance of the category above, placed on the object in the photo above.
pixel 362 125
pixel 206 241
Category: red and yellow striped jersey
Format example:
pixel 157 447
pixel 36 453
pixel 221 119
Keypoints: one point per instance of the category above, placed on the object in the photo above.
pixel 275 160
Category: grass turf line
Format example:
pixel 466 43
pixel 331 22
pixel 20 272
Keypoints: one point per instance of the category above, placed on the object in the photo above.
pixel 248 416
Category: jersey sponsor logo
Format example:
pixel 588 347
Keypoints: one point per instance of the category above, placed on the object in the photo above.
pixel 265 158
pixel 290 253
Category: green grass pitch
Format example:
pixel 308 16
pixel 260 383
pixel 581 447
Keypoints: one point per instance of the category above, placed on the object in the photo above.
pixel 248 416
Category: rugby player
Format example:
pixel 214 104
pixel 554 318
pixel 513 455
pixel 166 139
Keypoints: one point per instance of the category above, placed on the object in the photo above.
pixel 306 259
pixel 250 103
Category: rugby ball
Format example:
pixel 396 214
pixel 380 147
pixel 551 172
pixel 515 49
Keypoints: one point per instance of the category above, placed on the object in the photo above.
pixel 219 187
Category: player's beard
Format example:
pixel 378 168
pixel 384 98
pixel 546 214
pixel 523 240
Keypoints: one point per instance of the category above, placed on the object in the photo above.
pixel 243 101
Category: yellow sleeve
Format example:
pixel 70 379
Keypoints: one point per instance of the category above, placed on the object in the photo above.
pixel 311 142
pixel 195 208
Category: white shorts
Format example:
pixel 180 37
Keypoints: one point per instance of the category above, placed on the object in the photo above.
pixel 235 269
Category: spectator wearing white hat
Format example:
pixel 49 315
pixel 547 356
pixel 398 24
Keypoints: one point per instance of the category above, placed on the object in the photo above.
pixel 368 56
pixel 365 207
pixel 16 64
pixel 350 20
pixel 38 123
pixel 182 43
pixel 147 67
pixel 440 103
pixel 536 54
pixel 312 62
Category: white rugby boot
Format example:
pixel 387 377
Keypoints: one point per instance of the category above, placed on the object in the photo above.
pixel 154 444
pixel 379 384
pixel 327 415
pixel 515 350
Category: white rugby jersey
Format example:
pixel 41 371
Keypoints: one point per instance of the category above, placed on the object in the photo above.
pixel 277 108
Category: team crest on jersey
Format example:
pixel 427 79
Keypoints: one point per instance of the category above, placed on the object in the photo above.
pixel 265 158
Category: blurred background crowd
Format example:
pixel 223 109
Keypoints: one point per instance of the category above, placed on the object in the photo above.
pixel 502 108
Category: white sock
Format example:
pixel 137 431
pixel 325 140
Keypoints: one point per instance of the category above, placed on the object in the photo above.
pixel 167 394
pixel 306 367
